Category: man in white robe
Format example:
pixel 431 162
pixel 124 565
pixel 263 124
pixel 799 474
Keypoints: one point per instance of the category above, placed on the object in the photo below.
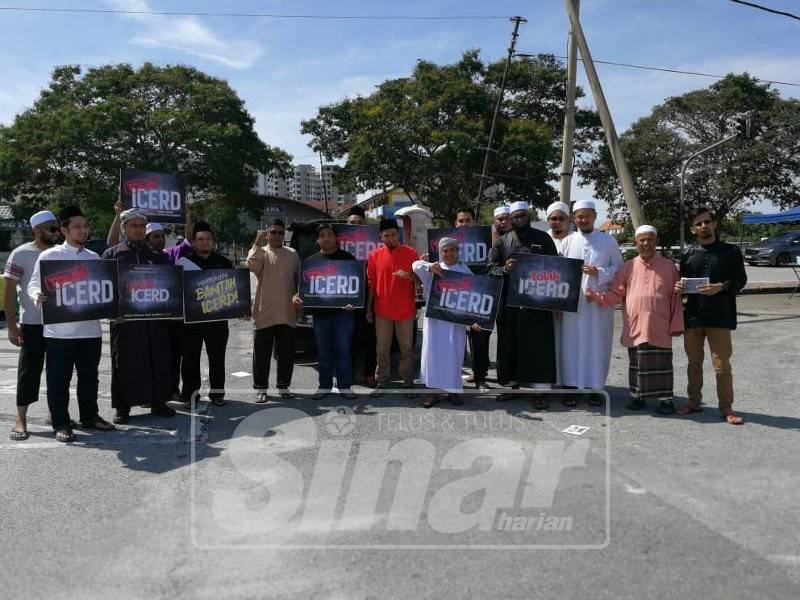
pixel 557 216
pixel 586 336
pixel 443 343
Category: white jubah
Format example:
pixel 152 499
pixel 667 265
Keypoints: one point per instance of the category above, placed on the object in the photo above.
pixel 442 343
pixel 587 336
pixel 557 323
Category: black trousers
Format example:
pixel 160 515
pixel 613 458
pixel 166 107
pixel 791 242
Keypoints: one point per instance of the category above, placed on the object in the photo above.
pixel 479 349
pixel 175 352
pixel 282 338
pixel 215 337
pixel 30 365
pixel 62 356
pixel 364 343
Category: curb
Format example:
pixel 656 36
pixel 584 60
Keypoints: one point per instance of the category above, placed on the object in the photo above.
pixel 778 287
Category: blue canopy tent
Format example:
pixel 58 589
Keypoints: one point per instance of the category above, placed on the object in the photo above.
pixel 787 216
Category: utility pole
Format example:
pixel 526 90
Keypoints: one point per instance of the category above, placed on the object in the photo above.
pixel 569 117
pixel 324 187
pixel 628 189
pixel 511 49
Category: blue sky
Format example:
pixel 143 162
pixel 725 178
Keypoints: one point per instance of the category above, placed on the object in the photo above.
pixel 284 69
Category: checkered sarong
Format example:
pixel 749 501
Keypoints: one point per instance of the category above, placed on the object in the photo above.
pixel 650 372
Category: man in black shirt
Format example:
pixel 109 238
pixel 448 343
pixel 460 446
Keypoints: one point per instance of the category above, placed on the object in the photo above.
pixel 711 313
pixel 333 327
pixel 214 334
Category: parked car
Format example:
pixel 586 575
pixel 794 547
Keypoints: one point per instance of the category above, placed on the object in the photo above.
pixel 780 250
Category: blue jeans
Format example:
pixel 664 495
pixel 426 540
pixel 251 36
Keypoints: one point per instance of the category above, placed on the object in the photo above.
pixel 334 335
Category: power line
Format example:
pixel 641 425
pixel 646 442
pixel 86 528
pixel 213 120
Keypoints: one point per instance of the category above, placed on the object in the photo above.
pixel 665 70
pixel 766 9
pixel 252 15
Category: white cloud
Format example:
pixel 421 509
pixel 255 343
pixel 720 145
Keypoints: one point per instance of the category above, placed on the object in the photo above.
pixel 188 35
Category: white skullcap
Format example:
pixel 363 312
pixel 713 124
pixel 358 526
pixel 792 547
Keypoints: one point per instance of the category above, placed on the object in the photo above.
pixel 448 242
pixel 646 229
pixel 43 216
pixel 584 204
pixel 151 227
pixel 562 206
pixel 520 205
pixel 131 213
pixel 502 210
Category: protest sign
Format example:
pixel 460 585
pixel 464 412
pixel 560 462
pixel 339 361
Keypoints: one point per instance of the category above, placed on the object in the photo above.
pixel 215 294
pixel 78 290
pixel 473 243
pixel 150 292
pixel 545 282
pixel 464 299
pixel 160 196
pixel 332 283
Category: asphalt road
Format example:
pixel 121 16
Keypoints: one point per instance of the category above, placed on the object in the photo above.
pixel 487 500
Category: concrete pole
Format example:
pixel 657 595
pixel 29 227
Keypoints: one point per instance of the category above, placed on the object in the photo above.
pixel 628 189
pixel 569 117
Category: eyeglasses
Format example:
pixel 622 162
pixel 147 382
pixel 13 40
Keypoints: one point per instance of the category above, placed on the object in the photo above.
pixel 276 232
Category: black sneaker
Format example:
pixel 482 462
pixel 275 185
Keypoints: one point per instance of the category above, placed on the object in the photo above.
pixel 638 404
pixel 162 410
pixel 122 417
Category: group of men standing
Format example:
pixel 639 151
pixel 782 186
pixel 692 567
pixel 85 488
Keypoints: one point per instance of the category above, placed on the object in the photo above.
pixel 536 349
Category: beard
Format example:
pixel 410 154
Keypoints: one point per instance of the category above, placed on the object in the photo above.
pixel 520 227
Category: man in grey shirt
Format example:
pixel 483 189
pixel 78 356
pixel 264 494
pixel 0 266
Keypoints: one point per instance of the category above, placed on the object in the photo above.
pixel 27 332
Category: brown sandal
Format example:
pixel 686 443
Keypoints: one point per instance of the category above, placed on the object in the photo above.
pixel 18 435
pixel 65 435
pixel 688 409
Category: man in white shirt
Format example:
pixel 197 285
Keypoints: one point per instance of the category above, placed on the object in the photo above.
pixel 76 345
pixel 28 334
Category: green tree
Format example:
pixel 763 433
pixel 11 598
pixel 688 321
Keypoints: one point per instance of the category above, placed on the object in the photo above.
pixel 427 133
pixel 70 145
pixel 727 179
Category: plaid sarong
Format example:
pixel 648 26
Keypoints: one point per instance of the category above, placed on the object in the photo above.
pixel 650 372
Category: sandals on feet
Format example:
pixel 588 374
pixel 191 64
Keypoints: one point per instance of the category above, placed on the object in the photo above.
pixel 18 435
pixel 732 418
pixel 65 435
pixel 687 409
pixel 99 423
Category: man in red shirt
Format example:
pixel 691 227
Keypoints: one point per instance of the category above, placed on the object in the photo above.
pixel 391 303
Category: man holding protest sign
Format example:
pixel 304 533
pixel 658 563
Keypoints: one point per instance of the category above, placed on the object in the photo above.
pixel 214 334
pixel 652 315
pixel 28 335
pixel 586 336
pixel 276 268
pixel 70 345
pixel 140 361
pixel 519 361
pixel 479 339
pixel 333 327
pixel 443 343
pixel 391 303
pixel 364 334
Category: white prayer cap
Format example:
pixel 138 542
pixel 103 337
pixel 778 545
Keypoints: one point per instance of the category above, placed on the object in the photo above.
pixel 151 227
pixel 646 229
pixel 43 216
pixel 562 206
pixel 502 210
pixel 584 204
pixel 131 213
pixel 448 242
pixel 520 205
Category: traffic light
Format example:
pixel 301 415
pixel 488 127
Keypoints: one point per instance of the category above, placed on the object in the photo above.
pixel 745 126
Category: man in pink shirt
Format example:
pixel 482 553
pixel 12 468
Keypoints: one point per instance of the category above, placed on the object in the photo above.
pixel 652 316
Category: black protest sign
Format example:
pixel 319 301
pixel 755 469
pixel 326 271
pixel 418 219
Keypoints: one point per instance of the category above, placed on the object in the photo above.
pixel 150 292
pixel 359 240
pixel 332 283
pixel 545 282
pixel 160 196
pixel 473 243
pixel 464 299
pixel 215 294
pixel 78 290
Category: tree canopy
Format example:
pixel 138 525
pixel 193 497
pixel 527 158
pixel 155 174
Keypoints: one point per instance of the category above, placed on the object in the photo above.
pixel 69 146
pixel 427 133
pixel 727 179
